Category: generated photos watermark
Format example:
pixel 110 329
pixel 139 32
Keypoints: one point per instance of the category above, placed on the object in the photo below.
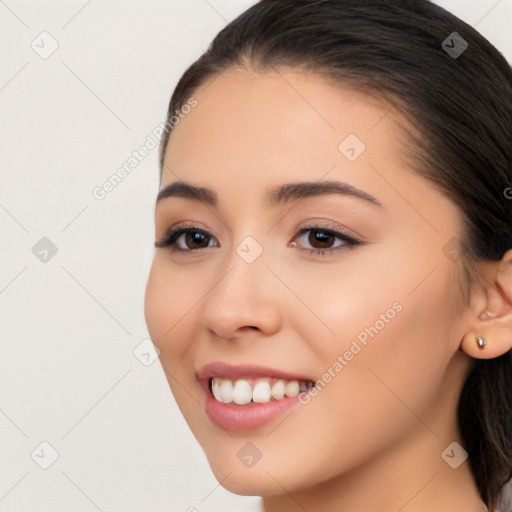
pixel 357 345
pixel 152 141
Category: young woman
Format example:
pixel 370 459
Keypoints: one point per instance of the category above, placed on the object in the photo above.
pixel 331 291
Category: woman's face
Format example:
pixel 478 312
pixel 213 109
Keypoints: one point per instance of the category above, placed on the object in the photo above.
pixel 376 325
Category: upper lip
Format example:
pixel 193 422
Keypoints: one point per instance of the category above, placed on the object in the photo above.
pixel 240 371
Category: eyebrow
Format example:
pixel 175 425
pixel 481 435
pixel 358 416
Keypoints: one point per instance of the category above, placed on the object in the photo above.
pixel 276 196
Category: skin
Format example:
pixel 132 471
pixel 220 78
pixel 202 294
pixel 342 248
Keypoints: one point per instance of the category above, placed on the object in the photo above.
pixel 372 438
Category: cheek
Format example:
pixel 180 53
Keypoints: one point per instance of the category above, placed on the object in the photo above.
pixel 166 303
pixel 156 303
pixel 394 348
pixel 393 372
pixel 380 397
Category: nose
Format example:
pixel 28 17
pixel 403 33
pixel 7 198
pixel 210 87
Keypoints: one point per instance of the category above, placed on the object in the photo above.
pixel 243 298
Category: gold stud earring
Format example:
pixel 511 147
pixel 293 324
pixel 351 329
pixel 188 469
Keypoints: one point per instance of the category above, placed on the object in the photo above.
pixel 481 342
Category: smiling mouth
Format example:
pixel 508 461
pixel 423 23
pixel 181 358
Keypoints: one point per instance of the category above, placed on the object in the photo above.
pixel 255 390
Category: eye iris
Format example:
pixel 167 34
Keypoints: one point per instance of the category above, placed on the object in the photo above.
pixel 194 237
pixel 317 236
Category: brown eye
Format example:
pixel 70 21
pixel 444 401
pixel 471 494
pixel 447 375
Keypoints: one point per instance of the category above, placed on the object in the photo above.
pixel 322 241
pixel 186 239
pixel 194 237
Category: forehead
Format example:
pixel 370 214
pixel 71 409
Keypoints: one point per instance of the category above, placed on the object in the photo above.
pixel 247 119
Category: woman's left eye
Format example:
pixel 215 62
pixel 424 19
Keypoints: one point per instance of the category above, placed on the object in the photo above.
pixel 324 238
pixel 181 238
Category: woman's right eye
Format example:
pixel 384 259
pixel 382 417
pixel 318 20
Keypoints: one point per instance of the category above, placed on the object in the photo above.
pixel 184 238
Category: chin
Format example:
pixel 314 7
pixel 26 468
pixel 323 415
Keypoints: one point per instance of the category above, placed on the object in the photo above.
pixel 267 477
pixel 247 482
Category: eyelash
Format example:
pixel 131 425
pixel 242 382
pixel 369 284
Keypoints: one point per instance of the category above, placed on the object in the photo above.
pixel 173 235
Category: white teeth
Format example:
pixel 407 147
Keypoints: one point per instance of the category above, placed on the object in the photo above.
pixel 278 389
pixel 241 393
pixel 261 392
pixel 226 391
pixel 292 388
pixel 216 389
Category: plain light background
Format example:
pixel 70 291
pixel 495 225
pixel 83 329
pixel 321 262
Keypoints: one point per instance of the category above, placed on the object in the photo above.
pixel 69 325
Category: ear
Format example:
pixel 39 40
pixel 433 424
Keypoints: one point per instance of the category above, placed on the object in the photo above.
pixel 493 312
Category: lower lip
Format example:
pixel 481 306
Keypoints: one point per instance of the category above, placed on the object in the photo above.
pixel 246 417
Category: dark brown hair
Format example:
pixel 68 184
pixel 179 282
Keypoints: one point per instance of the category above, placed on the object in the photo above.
pixel 459 114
